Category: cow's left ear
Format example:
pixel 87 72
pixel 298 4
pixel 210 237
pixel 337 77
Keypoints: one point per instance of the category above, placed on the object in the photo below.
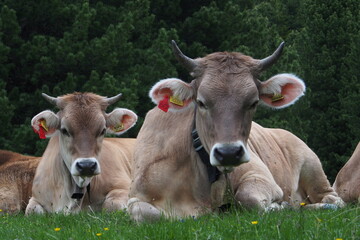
pixel 281 90
pixel 120 120
pixel 45 123
pixel 172 94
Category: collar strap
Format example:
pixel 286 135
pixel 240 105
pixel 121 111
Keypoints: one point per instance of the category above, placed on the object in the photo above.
pixel 213 172
pixel 79 192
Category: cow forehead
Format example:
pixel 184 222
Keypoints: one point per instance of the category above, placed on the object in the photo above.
pixel 228 73
pixel 229 62
pixel 83 111
pixel 228 87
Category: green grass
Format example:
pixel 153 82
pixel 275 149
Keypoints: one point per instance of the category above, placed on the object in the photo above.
pixel 287 224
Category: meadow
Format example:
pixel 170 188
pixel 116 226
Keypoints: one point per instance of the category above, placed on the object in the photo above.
pixel 342 224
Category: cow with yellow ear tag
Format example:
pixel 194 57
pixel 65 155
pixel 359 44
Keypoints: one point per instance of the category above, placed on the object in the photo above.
pixel 202 130
pixel 80 168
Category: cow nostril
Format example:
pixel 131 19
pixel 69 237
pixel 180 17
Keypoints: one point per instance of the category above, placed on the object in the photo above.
pixel 79 166
pixel 93 166
pixel 218 154
pixel 240 152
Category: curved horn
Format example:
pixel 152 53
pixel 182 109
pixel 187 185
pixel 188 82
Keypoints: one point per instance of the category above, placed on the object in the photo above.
pixel 114 99
pixel 270 60
pixel 188 63
pixel 52 100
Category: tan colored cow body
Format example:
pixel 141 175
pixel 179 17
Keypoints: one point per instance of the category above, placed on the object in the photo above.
pixel 108 190
pixel 289 170
pixel 78 157
pixel 347 182
pixel 16 176
pixel 269 165
pixel 174 181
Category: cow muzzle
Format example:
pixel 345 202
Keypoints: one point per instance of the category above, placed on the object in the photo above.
pixel 85 167
pixel 229 154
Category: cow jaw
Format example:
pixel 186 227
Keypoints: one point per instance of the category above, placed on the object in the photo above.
pixel 225 156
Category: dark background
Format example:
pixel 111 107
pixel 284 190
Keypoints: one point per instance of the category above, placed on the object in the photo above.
pixel 109 47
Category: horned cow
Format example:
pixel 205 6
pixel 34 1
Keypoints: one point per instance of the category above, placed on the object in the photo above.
pixel 202 130
pixel 78 160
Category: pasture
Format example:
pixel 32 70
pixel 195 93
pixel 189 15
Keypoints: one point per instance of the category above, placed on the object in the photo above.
pixel 235 224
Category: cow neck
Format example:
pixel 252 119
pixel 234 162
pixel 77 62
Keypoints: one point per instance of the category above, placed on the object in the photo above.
pixel 213 172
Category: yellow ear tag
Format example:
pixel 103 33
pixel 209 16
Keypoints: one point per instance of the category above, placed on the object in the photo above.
pixel 43 124
pixel 119 127
pixel 176 101
pixel 277 97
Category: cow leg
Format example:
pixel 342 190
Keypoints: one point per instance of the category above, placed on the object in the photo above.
pixel 259 194
pixel 10 199
pixel 116 200
pixel 254 186
pixel 316 185
pixel 34 207
pixel 142 211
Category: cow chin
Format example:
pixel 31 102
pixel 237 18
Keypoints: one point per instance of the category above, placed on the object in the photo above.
pixel 226 156
pixel 82 181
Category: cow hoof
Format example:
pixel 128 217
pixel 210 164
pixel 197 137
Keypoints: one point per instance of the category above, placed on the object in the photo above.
pixel 142 211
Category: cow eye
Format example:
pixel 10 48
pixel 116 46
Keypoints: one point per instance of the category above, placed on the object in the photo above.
pixel 103 132
pixel 200 104
pixel 253 106
pixel 64 132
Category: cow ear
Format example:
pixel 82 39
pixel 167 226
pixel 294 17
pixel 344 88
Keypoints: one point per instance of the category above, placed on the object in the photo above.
pixel 281 90
pixel 120 120
pixel 172 94
pixel 45 124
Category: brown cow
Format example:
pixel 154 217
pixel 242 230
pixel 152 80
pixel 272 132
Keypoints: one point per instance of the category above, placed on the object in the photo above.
pixel 16 176
pixel 78 158
pixel 170 178
pixel 347 182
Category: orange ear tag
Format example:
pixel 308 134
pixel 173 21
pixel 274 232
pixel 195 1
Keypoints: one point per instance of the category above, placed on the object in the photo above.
pixel 176 101
pixel 277 97
pixel 118 128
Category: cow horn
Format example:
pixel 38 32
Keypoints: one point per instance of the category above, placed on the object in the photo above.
pixel 270 60
pixel 114 99
pixel 188 63
pixel 52 100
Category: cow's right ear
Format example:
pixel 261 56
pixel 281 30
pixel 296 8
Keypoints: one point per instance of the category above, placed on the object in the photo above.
pixel 45 123
pixel 172 94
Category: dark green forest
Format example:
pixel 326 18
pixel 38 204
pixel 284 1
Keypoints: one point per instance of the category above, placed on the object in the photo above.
pixel 114 46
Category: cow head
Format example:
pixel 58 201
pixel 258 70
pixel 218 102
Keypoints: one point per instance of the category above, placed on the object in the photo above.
pixel 81 125
pixel 226 92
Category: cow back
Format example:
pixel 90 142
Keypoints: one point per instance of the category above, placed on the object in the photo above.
pixel 291 162
pixel 17 174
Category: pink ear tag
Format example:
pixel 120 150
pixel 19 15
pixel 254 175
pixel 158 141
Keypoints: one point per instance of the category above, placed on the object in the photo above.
pixel 42 129
pixel 164 104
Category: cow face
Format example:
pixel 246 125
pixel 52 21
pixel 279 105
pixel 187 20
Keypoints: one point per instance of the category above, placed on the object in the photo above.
pixel 81 125
pixel 226 92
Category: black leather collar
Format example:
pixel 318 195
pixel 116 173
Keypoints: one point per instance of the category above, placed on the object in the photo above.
pixel 213 172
